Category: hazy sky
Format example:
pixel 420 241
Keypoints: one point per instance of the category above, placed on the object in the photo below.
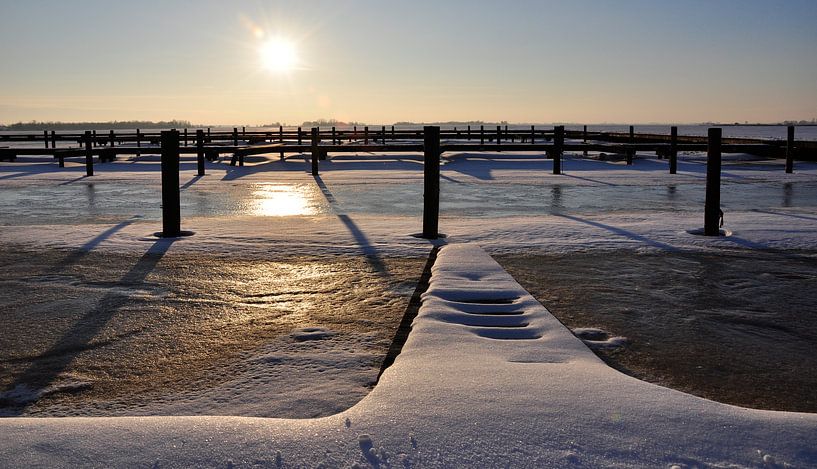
pixel 385 61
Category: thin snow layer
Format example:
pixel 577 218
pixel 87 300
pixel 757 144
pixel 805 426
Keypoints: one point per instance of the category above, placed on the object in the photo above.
pixel 488 377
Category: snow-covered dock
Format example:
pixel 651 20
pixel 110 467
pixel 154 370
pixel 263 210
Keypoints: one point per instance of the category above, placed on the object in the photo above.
pixel 487 378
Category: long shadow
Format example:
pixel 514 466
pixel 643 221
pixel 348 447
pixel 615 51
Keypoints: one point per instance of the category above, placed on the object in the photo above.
pixel 802 217
pixel 621 232
pixel 596 181
pixel 369 251
pixel 83 250
pixel 189 183
pixel 13 175
pixel 47 367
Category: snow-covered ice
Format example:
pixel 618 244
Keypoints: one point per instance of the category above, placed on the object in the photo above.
pixel 488 377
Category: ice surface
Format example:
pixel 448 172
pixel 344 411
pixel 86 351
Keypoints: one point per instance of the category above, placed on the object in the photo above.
pixel 454 398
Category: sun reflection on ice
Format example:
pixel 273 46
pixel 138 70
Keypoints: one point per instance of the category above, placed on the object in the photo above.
pixel 282 200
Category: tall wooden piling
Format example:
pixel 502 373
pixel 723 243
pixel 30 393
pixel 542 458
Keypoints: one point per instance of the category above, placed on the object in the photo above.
pixel 392 132
pixel 584 138
pixel 243 132
pixel 281 138
pixel 45 138
pixel 185 136
pixel 171 209
pixel 200 151
pixel 712 206
pixel 333 136
pixel 89 154
pixel 315 141
pixel 366 135
pixel 468 133
pixel 482 135
pixel 138 142
pixel 53 139
pixel 631 152
pixel 673 150
pixel 112 138
pixel 558 148
pixel 790 149
pixel 498 135
pixel 383 135
pixel 431 182
pixel 235 136
pixel 300 141
pixel 532 135
pixel 209 139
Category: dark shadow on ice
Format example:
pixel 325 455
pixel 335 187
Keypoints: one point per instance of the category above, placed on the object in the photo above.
pixel 73 180
pixel 47 367
pixel 621 232
pixel 369 251
pixel 189 183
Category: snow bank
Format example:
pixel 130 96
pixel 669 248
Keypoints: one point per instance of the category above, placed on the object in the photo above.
pixel 488 377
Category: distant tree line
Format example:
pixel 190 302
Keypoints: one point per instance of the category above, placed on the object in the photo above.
pixel 36 125
pixel 329 123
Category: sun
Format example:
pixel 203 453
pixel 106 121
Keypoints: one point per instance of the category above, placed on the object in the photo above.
pixel 278 55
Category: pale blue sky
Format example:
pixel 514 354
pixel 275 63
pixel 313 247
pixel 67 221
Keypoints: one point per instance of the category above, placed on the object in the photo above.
pixel 385 61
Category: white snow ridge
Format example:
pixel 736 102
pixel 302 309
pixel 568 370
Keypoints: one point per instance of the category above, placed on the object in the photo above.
pixel 487 378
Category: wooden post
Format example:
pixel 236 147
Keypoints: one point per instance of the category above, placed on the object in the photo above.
pixel 95 142
pixel 673 150
pixel 713 184
pixel 315 141
pixel 200 151
pixel 300 141
pixel 366 135
pixel 354 133
pixel 558 147
pixel 383 140
pixel 482 135
pixel 790 149
pixel 235 136
pixel 89 154
pixel 585 138
pixel 53 139
pixel 392 132
pixel 532 134
pixel 281 138
pixel 498 135
pixel 171 210
pixel 630 152
pixel 431 182
pixel 506 134
pixel 45 138
pixel 333 135
pixel 112 138
pixel 243 132
pixel 185 136
pixel 209 139
pixel 468 133
pixel 138 142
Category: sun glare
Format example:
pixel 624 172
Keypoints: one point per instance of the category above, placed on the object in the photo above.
pixel 278 55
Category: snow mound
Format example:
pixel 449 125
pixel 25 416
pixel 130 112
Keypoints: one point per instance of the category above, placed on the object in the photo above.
pixel 311 333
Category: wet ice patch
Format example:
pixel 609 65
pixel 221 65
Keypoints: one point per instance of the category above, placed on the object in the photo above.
pixel 311 333
pixel 598 339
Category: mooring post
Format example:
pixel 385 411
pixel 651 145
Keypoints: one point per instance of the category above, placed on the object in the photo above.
pixel 498 135
pixel 112 138
pixel 713 183
pixel 235 136
pixel 354 133
pixel 200 151
pixel 333 135
pixel 95 142
pixel 89 154
pixel 53 139
pixel 209 139
pixel 45 138
pixel 790 149
pixel 315 141
pixel 185 136
pixel 392 132
pixel 281 139
pixel 482 135
pixel 630 151
pixel 532 135
pixel 673 150
pixel 431 182
pixel 468 133
pixel 558 147
pixel 171 210
pixel 138 142
pixel 366 135
pixel 383 140
pixel 243 132
pixel 300 141
pixel 584 135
